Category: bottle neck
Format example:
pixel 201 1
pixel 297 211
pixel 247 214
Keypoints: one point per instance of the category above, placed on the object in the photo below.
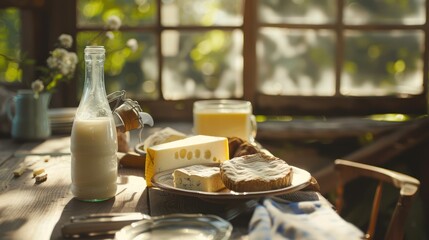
pixel 94 102
pixel 94 75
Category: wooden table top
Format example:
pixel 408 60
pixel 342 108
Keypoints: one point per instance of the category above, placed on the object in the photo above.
pixel 38 211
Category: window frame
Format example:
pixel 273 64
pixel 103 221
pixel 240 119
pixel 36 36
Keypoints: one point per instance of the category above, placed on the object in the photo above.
pixel 340 105
pixel 337 105
pixel 56 17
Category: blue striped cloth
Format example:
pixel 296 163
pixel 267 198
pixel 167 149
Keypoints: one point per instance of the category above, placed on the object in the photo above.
pixel 281 219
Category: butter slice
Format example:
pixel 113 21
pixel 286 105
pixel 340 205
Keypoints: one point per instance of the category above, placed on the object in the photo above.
pixel 199 149
pixel 198 178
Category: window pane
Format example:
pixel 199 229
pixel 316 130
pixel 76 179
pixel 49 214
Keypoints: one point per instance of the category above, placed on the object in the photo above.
pixel 382 63
pixel 10 28
pixel 91 13
pixel 202 12
pixel 202 64
pixel 136 72
pixel 384 11
pixel 300 12
pixel 296 62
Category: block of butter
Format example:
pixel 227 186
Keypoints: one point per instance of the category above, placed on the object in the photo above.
pixel 199 149
pixel 198 178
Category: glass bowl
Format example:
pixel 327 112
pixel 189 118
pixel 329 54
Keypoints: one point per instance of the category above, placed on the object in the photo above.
pixel 178 226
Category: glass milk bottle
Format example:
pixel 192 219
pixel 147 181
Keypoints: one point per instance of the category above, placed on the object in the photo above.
pixel 93 138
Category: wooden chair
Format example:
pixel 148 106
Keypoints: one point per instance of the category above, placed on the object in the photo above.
pixel 408 186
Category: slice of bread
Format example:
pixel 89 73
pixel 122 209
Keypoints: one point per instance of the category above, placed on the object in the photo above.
pixel 255 172
pixel 239 147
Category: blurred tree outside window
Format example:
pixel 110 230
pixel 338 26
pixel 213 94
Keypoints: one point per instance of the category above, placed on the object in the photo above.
pixel 196 63
pixel 10 28
pixel 374 62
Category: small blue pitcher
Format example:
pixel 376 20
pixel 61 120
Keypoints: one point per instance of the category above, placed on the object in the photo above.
pixel 30 120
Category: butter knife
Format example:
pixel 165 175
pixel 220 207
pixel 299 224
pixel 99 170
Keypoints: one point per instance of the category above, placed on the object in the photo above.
pixel 99 224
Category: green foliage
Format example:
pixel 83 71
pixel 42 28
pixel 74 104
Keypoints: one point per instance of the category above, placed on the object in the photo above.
pixel 10 26
pixel 132 12
pixel 379 58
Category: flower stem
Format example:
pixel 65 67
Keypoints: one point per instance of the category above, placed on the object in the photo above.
pixel 10 59
pixel 92 41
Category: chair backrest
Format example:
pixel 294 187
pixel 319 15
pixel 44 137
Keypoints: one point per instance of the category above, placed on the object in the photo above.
pixel 407 187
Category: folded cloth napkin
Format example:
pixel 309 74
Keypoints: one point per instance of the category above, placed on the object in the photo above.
pixel 277 218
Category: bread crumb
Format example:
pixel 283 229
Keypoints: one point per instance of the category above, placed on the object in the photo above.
pixel 20 170
pixel 38 171
pixel 41 177
pixel 45 158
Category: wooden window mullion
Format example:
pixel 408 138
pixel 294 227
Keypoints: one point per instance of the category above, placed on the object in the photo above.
pixel 158 33
pixel 426 56
pixel 250 30
pixel 339 49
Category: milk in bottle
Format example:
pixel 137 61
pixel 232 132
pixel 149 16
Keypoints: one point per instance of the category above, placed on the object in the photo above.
pixel 93 138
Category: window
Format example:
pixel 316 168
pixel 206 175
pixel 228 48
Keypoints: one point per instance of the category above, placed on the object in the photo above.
pixel 187 49
pixel 306 57
pixel 327 57
pixel 342 57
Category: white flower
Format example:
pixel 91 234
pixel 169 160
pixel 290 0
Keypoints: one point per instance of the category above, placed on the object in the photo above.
pixel 60 67
pixel 56 57
pixel 71 62
pixel 65 40
pixel 63 62
pixel 64 70
pixel 113 23
pixel 52 62
pixel 37 86
pixel 59 53
pixel 73 58
pixel 132 44
pixel 67 64
pixel 109 35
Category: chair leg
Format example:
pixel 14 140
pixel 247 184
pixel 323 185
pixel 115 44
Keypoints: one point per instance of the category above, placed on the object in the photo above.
pixel 396 228
pixel 339 201
pixel 374 211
